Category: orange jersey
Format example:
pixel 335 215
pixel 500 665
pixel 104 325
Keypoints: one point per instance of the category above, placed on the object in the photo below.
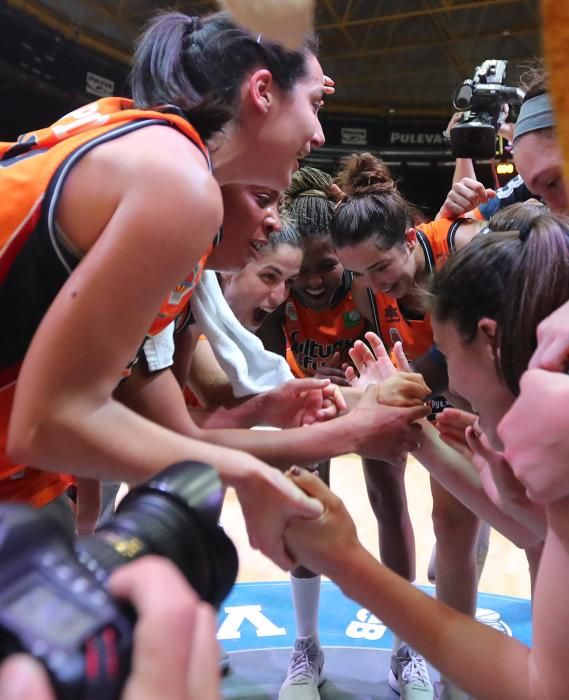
pixel 437 242
pixel 314 336
pixel 35 262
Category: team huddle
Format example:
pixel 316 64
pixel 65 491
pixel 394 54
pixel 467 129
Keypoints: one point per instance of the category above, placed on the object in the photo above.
pixel 173 276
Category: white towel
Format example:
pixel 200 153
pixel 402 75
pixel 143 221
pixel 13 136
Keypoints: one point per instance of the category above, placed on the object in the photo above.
pixel 249 367
pixel 159 349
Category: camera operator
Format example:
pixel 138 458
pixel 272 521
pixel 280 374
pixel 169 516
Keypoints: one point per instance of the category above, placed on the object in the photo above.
pixel 467 190
pixel 179 665
pixel 537 157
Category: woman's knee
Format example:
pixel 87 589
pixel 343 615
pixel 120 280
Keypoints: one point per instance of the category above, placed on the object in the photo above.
pixel 455 526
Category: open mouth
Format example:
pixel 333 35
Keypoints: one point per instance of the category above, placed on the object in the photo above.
pixel 387 290
pixel 259 315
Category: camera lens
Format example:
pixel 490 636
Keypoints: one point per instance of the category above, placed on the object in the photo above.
pixel 174 515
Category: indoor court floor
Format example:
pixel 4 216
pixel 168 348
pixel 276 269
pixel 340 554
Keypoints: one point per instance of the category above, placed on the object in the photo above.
pixel 257 621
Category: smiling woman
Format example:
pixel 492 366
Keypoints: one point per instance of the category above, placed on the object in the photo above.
pixel 116 212
pixel 377 234
pixel 250 217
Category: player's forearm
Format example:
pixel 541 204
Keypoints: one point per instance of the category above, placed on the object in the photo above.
pixel 460 477
pixel 244 414
pixel 111 442
pixel 484 662
pixel 464 167
pixel 284 448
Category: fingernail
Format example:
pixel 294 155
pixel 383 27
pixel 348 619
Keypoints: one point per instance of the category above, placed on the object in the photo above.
pixel 473 433
pixel 18 679
pixel 295 471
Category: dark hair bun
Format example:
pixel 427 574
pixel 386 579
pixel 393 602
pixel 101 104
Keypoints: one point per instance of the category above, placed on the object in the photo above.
pixel 362 174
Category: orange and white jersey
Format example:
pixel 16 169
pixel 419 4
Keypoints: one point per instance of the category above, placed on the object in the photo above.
pixel 437 240
pixel 36 259
pixel 313 337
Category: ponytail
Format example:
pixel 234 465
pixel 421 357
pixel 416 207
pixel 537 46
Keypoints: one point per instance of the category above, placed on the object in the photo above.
pixel 198 65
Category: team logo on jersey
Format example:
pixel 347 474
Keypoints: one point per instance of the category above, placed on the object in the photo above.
pixel 352 318
pixel 290 311
pixel 391 313
pixel 186 286
pixel 394 336
pixel 309 354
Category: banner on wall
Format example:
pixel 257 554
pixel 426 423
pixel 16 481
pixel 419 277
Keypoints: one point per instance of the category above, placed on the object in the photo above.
pixel 385 133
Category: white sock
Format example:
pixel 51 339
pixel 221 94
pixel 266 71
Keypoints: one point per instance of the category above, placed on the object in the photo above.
pixel 306 598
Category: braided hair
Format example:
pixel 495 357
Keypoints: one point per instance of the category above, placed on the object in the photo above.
pixel 308 202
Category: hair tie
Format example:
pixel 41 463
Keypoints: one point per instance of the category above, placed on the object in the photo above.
pixel 194 24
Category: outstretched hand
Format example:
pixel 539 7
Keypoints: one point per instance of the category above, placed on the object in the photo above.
pixel 372 367
pixel 321 543
pixel 452 424
pixel 302 402
pixel 268 501
pixel 395 388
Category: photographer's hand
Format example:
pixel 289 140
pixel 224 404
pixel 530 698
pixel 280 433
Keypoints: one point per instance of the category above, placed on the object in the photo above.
pixel 22 678
pixel 181 665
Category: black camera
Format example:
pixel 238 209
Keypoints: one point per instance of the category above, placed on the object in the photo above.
pixel 53 601
pixel 482 99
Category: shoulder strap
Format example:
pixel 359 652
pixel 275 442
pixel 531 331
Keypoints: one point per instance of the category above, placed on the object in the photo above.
pixel 427 250
pixel 451 235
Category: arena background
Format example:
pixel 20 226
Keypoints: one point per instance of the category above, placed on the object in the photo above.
pixel 396 64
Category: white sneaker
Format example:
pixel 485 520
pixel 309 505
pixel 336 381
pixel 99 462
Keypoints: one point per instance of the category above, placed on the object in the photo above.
pixel 409 676
pixel 304 671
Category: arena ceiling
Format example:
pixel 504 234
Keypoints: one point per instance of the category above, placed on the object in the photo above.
pixel 388 57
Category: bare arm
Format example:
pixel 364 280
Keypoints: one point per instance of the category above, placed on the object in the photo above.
pixel 487 664
pixel 64 415
pixel 158 397
pixel 161 212
pixel 460 477
pixel 207 380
